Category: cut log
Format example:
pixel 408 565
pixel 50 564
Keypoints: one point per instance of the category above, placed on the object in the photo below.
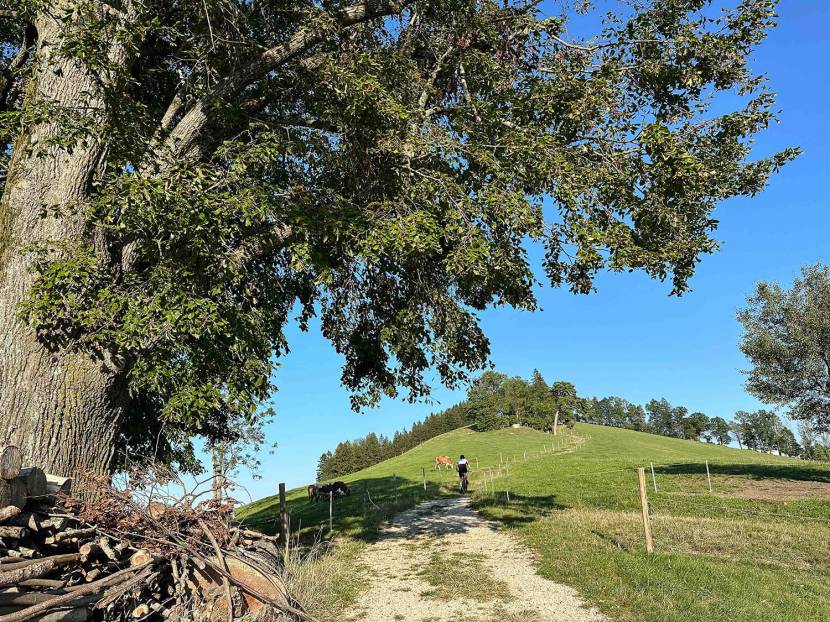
pixel 56 484
pixel 74 533
pixel 7 512
pixel 27 552
pixel 140 557
pixel 248 576
pixel 52 584
pixel 65 599
pixel 11 459
pixel 104 543
pixel 141 611
pixel 25 599
pixel 25 519
pixel 35 481
pixel 15 533
pixel 9 556
pixel 89 551
pixel 56 523
pixel 12 492
pixel 58 560
pixel 36 570
pixel 76 614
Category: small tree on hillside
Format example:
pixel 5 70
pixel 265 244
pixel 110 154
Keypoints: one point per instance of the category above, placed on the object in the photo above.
pixel 786 442
pixel 719 429
pixel 786 336
pixel 568 407
pixel 694 425
pixel 240 451
pixel 760 430
pixel 665 419
pixel 739 431
pixel 815 445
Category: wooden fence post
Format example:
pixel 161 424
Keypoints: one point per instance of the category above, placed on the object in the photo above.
pixel 331 510
pixel 283 518
pixel 708 477
pixel 395 486
pixel 641 476
pixel 653 479
pixel 424 473
pixel 476 463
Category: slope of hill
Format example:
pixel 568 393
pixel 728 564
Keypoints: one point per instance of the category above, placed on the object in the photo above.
pixel 407 472
pixel 755 548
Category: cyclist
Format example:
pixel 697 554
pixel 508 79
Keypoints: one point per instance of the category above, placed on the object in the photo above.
pixel 463 467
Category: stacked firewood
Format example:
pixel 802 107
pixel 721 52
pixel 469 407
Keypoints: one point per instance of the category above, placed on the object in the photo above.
pixel 104 555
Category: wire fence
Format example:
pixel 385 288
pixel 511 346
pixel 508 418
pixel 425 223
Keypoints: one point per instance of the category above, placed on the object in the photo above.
pixel 673 489
pixel 385 499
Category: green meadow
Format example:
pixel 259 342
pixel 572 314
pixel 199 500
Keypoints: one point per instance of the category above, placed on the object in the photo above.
pixel 754 548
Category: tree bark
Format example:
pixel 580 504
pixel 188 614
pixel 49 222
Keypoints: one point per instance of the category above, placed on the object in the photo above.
pixel 60 408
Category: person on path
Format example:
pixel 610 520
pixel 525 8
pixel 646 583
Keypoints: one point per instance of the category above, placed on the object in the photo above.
pixel 463 467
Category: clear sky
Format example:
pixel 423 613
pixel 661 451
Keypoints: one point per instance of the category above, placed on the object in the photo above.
pixel 630 338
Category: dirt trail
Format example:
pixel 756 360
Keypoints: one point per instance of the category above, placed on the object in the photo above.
pixel 415 566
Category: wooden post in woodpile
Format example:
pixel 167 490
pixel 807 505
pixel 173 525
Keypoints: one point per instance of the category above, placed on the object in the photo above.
pixel 12 492
pixel 7 512
pixel 283 519
pixel 34 480
pixel 11 460
pixel 56 484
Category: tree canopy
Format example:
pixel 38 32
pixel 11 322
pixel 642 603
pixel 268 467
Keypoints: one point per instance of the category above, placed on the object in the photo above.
pixel 786 337
pixel 378 165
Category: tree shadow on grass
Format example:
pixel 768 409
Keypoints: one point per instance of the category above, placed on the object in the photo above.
pixel 754 471
pixel 372 502
pixel 521 510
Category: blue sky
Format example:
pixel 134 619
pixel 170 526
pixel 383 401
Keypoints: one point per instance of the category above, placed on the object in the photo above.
pixel 630 338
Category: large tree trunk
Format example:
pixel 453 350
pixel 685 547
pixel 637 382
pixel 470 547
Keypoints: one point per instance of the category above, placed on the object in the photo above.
pixel 60 408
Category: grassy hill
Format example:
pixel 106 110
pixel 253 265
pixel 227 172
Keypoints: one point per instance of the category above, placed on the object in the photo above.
pixel 357 515
pixel 755 548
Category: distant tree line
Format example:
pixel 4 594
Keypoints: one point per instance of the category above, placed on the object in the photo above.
pixel 351 456
pixel 496 401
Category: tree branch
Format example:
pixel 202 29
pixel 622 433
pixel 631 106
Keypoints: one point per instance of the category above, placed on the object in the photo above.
pixel 7 80
pixel 182 137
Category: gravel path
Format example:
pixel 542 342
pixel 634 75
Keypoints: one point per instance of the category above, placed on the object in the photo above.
pixel 501 584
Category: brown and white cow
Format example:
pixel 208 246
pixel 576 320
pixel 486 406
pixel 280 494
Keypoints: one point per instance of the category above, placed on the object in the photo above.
pixel 443 460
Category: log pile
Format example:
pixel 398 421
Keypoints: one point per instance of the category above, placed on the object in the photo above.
pixel 113 558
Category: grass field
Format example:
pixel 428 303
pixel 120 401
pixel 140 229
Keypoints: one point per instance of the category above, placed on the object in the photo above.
pixel 756 548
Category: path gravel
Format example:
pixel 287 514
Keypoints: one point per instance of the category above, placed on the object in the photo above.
pixel 450 529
